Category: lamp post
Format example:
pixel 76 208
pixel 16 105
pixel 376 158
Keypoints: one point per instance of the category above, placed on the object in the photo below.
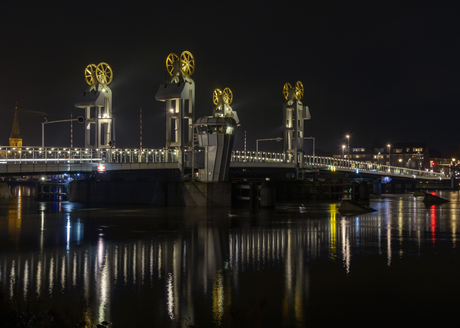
pixel 389 155
pixel 43 131
pixel 313 138
pixel 453 166
pixel 80 119
pixel 269 139
pixel 348 148
pixel 343 152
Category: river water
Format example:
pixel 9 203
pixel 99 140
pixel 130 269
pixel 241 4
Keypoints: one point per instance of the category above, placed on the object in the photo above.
pixel 140 266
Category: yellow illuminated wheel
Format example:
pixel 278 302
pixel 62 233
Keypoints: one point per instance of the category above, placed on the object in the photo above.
pixel 215 96
pixel 187 63
pixel 286 88
pixel 90 71
pixel 170 60
pixel 227 96
pixel 104 73
pixel 299 90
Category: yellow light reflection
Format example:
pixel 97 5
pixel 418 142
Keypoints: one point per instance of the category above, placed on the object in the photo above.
pixel 14 222
pixel 333 231
pixel 218 299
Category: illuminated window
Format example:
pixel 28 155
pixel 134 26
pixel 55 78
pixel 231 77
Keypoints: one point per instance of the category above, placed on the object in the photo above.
pixel 398 151
pixel 417 149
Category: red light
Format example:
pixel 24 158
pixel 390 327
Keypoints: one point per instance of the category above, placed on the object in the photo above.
pixel 433 164
pixel 101 168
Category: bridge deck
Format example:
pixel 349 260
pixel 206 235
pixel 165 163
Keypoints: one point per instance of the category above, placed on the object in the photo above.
pixel 30 160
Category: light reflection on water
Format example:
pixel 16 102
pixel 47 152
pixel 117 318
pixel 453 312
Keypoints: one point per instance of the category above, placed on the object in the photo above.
pixel 195 266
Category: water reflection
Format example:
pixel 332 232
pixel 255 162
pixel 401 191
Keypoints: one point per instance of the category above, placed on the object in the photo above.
pixel 183 266
pixel 14 220
pixel 218 299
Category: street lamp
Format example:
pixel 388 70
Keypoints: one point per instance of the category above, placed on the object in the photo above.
pixel 269 139
pixel 453 167
pixel 348 145
pixel 43 130
pixel 343 150
pixel 389 155
pixel 313 138
pixel 348 148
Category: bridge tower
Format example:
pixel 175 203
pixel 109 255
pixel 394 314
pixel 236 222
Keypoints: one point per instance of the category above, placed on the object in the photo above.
pixel 97 103
pixel 216 134
pixel 179 95
pixel 294 114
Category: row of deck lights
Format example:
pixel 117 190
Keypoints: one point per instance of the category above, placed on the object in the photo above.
pixel 86 150
pixel 253 157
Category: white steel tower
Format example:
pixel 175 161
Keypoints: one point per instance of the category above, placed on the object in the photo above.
pixel 294 115
pixel 97 102
pixel 179 95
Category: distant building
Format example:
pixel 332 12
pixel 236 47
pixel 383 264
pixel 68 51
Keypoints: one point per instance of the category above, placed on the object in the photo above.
pixel 15 137
pixel 357 154
pixel 414 155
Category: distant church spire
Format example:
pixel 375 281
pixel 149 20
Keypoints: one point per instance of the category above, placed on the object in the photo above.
pixel 15 137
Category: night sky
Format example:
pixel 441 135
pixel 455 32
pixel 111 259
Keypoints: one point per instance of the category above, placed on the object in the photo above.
pixel 381 71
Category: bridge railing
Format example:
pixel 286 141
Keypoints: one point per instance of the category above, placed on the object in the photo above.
pixel 331 162
pixel 262 157
pixel 40 155
pixel 369 167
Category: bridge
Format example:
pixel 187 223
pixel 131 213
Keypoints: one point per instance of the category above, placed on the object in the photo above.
pixel 44 160
pixel 199 148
